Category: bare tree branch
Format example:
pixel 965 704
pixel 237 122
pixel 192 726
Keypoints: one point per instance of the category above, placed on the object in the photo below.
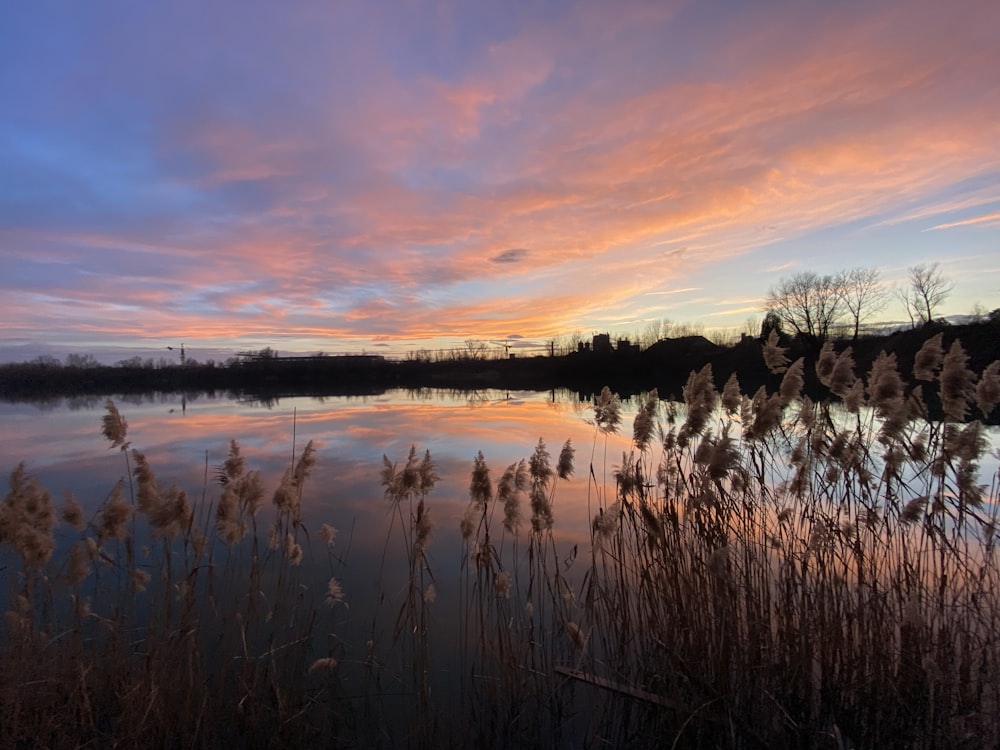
pixel 928 289
pixel 863 294
pixel 810 304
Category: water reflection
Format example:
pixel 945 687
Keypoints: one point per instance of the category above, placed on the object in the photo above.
pixel 184 440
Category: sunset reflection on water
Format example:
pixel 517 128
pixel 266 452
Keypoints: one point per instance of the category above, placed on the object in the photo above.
pixel 62 445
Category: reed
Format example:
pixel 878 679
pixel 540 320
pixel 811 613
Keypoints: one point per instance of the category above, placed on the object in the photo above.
pixel 763 571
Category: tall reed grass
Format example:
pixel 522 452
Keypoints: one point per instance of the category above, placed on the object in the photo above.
pixel 762 571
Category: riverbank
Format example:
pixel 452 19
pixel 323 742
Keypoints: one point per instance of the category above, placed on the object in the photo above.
pixel 665 365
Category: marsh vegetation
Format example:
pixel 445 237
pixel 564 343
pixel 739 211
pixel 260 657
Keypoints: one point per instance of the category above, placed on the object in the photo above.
pixel 766 570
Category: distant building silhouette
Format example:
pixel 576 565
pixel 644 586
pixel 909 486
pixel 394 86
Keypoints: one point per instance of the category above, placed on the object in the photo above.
pixel 601 344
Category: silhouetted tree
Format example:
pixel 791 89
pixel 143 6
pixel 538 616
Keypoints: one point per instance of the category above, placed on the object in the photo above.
pixel 772 322
pixel 863 294
pixel 808 303
pixel 928 289
pixel 82 361
pixel 476 349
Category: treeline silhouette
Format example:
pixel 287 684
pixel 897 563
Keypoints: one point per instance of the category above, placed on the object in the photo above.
pixel 664 365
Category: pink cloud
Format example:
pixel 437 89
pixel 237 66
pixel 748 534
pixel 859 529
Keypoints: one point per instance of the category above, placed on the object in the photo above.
pixel 618 156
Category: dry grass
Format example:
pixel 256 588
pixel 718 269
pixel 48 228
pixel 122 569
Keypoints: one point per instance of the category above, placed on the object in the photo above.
pixel 770 572
pixel 168 624
pixel 764 571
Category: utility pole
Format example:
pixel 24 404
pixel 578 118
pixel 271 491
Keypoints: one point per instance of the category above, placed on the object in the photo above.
pixel 182 353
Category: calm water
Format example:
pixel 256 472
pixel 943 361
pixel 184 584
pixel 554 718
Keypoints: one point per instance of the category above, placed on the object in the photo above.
pixel 185 440
pixel 62 445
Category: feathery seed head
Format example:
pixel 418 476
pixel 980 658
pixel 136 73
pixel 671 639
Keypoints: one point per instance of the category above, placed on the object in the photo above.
pixel 502 584
pixel 538 466
pixel 172 515
pixel 957 383
pixel 428 475
pixel 913 510
pixel 732 398
pixel 774 355
pixel 409 477
pixel 988 389
pixel 27 519
pixel 327 534
pixel 285 498
pixel 388 476
pixel 825 362
pixel 251 491
pixel 305 465
pixel 700 397
pixel 541 509
pixel 78 567
pixel 928 360
pixel 72 512
pixel 606 523
pixel 334 593
pixel 628 476
pixel 885 387
pixel 480 488
pixel 148 495
pixel 807 412
pixel 607 411
pixel 564 466
pixel 792 382
pixel 233 466
pixel 511 496
pixel 645 420
pixel 965 443
pixel 113 426
pixel 854 399
pixel 468 524
pixel 767 415
pixel 114 516
pixel 324 665
pixel 842 378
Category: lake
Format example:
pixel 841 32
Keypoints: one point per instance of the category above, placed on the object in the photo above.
pixel 186 439
pixel 61 444
pixel 541 629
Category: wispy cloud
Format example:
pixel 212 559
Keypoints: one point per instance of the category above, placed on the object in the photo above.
pixel 988 219
pixel 413 171
pixel 780 267
pixel 669 292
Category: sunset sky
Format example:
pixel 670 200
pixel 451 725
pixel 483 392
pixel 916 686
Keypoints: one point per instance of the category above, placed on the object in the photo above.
pixel 386 176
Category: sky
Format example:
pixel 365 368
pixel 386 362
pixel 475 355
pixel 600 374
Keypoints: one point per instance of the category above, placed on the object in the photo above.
pixel 396 175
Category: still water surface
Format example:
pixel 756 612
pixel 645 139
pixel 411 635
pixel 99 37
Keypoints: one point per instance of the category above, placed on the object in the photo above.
pixel 61 443
pixel 184 440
